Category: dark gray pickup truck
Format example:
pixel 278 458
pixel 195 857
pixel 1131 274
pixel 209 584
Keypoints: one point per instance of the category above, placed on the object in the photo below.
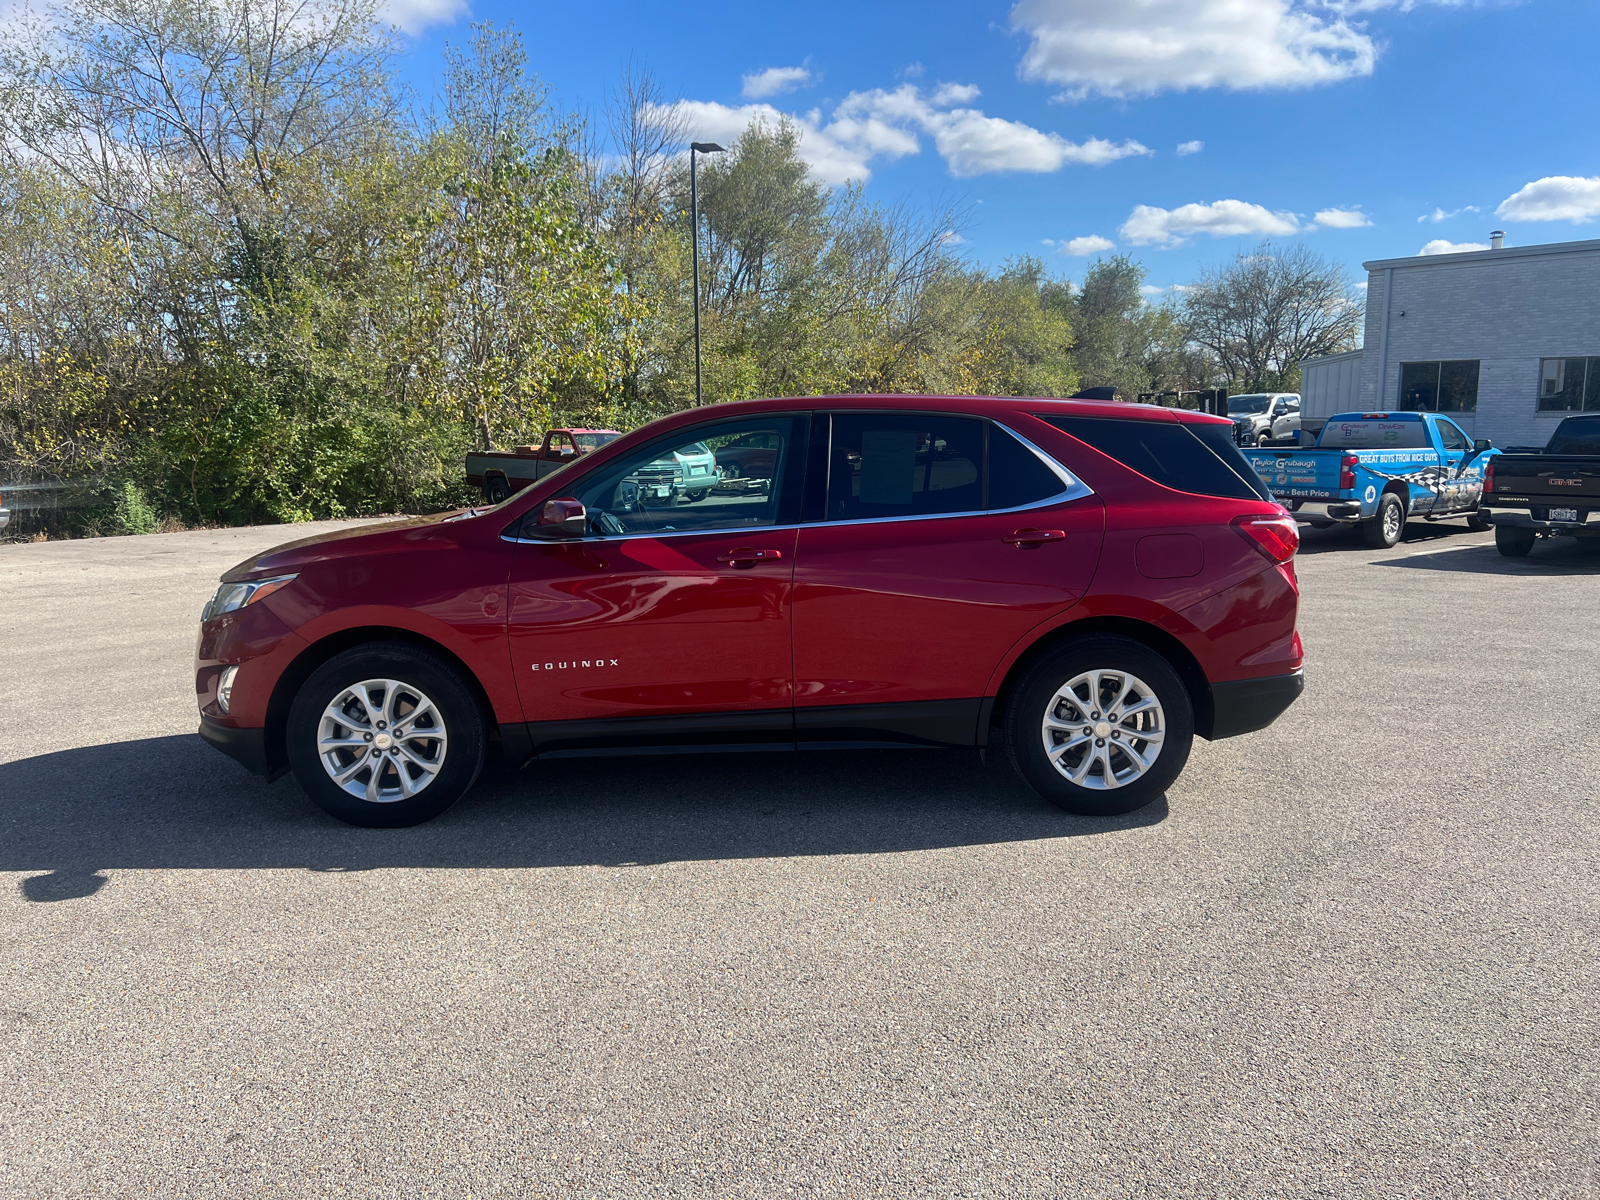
pixel 1552 493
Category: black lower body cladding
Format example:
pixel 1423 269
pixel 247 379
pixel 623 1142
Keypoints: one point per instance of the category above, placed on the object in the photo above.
pixel 1246 705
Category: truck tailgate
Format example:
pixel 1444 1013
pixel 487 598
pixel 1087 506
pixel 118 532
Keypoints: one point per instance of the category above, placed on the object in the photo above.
pixel 1297 472
pixel 1546 479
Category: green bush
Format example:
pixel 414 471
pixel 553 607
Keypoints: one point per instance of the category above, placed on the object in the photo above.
pixel 132 512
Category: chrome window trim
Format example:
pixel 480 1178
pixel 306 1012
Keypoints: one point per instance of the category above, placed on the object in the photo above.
pixel 1073 488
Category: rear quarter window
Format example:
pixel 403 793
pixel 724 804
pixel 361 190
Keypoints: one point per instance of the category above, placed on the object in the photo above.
pixel 1187 458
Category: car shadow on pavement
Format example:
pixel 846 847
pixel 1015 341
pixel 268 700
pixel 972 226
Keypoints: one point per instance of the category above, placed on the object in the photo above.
pixel 1563 556
pixel 173 802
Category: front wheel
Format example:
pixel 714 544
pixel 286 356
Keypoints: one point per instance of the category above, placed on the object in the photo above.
pixel 1514 542
pixel 385 735
pixel 1100 725
pixel 1387 524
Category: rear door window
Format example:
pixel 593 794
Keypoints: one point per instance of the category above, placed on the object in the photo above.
pixel 1187 458
pixel 903 465
pixel 1016 476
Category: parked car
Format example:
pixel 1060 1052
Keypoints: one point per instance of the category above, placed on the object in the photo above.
pixel 1553 492
pixel 1376 470
pixel 500 474
pixel 753 456
pixel 1259 416
pixel 1081 586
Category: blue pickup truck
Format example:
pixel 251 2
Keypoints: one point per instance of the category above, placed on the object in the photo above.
pixel 1376 470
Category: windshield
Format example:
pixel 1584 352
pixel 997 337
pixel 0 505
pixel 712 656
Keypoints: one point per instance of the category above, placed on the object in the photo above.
pixel 1576 435
pixel 692 449
pixel 593 441
pixel 1385 434
pixel 1244 406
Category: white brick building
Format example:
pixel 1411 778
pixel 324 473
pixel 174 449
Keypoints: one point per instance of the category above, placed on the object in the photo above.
pixel 1506 340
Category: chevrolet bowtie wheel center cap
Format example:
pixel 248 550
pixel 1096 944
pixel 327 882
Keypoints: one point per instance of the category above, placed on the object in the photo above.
pixel 1103 730
pixel 383 741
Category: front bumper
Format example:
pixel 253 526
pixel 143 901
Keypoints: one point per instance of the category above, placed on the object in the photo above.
pixel 248 747
pixel 1246 705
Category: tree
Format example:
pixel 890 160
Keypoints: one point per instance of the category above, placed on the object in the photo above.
pixel 1265 311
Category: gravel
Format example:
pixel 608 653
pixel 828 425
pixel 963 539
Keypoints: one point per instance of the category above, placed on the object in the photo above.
pixel 1353 955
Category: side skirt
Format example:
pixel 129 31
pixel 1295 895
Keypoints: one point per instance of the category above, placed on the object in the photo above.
pixel 926 724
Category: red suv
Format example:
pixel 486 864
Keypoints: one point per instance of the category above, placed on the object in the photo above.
pixel 1085 585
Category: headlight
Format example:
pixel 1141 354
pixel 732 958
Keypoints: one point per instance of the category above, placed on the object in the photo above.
pixel 231 596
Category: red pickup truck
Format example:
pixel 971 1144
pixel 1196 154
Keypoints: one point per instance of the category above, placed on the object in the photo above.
pixel 499 474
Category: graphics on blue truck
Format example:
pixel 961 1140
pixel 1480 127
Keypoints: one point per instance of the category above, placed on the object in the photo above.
pixel 1422 460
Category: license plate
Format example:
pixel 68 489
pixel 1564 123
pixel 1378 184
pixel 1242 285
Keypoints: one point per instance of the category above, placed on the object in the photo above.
pixel 663 491
pixel 1563 514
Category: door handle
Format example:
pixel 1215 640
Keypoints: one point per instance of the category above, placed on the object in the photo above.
pixel 1029 538
pixel 744 556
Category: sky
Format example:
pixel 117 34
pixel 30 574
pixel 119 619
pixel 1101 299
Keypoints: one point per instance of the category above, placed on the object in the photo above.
pixel 1178 131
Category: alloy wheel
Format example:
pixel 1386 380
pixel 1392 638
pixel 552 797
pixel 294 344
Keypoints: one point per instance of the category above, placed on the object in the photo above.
pixel 382 740
pixel 1103 729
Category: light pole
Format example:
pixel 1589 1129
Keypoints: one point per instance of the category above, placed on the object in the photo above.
pixel 694 233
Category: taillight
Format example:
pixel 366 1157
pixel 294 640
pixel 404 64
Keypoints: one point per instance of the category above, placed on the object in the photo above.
pixel 1347 472
pixel 1488 476
pixel 1276 536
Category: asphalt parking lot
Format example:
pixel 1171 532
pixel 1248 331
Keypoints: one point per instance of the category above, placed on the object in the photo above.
pixel 1354 955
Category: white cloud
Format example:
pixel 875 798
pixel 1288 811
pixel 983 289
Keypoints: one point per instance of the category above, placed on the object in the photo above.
pixel 1122 48
pixel 413 16
pixel 775 81
pixel 1554 198
pixel 947 94
pixel 1187 148
pixel 1150 290
pixel 1441 246
pixel 1342 218
pixel 1091 243
pixel 1439 214
pixel 836 151
pixel 1148 225
pixel 884 124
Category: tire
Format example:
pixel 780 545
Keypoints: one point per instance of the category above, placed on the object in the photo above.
pixel 1479 524
pixel 376 683
pixel 496 490
pixel 1263 438
pixel 696 496
pixel 1514 542
pixel 731 471
pixel 1388 524
pixel 1041 696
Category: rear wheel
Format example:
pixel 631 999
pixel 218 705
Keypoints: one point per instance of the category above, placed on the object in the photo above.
pixel 385 735
pixel 1387 524
pixel 496 490
pixel 1100 725
pixel 1514 542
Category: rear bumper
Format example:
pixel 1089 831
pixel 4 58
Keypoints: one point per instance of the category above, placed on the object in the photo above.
pixel 1522 520
pixel 1246 705
pixel 248 747
pixel 1328 510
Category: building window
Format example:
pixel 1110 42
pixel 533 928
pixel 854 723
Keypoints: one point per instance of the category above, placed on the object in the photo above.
pixel 1439 386
pixel 1569 384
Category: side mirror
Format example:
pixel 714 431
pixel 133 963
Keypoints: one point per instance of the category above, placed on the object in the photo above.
pixel 1482 444
pixel 566 451
pixel 560 520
